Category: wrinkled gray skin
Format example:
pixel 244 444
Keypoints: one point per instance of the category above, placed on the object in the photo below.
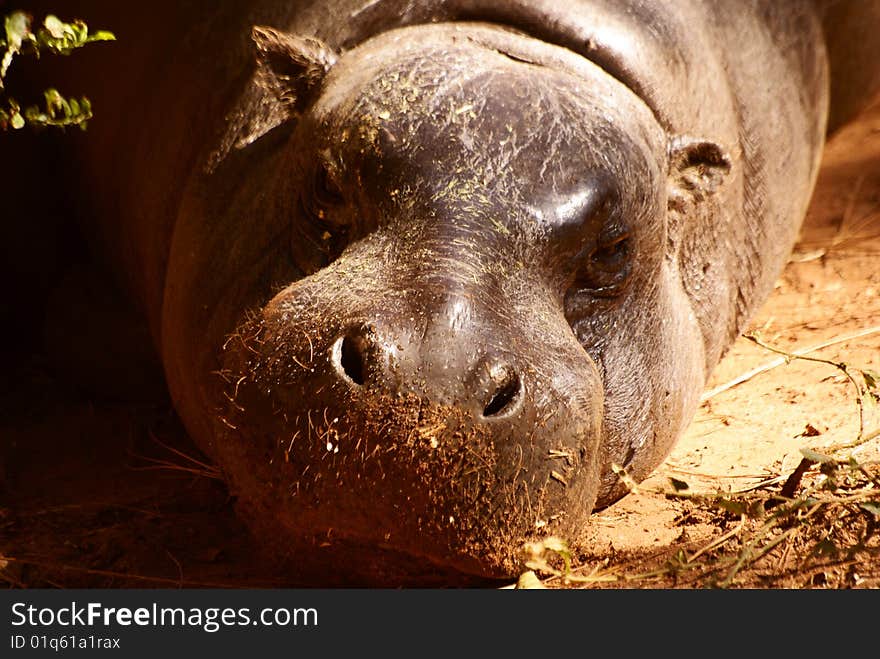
pixel 423 275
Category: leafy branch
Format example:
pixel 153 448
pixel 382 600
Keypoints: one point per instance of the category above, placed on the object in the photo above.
pixel 55 37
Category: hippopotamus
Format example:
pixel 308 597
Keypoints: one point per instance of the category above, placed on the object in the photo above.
pixel 427 278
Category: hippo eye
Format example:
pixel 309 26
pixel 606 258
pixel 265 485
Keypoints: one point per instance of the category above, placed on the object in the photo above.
pixel 610 256
pixel 328 192
pixel 326 206
pixel 608 266
pixel 325 222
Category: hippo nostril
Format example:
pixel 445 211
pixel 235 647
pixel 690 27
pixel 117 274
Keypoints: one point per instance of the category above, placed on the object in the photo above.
pixel 351 359
pixel 504 396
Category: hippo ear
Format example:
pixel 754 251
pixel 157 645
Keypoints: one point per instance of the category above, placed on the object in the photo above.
pixel 290 68
pixel 697 168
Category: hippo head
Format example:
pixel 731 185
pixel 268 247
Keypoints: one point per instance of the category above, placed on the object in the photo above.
pixel 441 302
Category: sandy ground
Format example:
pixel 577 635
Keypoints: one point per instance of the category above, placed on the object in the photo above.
pixel 101 494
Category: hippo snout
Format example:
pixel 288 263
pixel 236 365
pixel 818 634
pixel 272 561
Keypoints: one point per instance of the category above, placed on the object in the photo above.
pixel 423 426
pixel 487 386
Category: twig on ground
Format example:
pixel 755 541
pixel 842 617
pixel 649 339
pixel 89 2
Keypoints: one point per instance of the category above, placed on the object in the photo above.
pixel 794 480
pixel 720 541
pixel 745 377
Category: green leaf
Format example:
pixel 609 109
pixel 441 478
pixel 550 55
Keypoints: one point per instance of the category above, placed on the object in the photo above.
pixel 102 35
pixel 80 31
pixel 872 507
pixel 735 507
pixel 816 457
pixel 529 580
pixel 54 102
pixel 18 27
pixel 678 485
pixel 18 30
pixel 54 26
pixel 16 120
pixel 872 378
pixel 557 544
pixel 756 510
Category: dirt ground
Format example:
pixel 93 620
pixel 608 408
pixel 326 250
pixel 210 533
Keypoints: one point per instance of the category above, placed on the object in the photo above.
pixel 113 494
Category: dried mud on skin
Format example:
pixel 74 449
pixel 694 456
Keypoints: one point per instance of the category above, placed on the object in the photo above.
pixel 114 494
